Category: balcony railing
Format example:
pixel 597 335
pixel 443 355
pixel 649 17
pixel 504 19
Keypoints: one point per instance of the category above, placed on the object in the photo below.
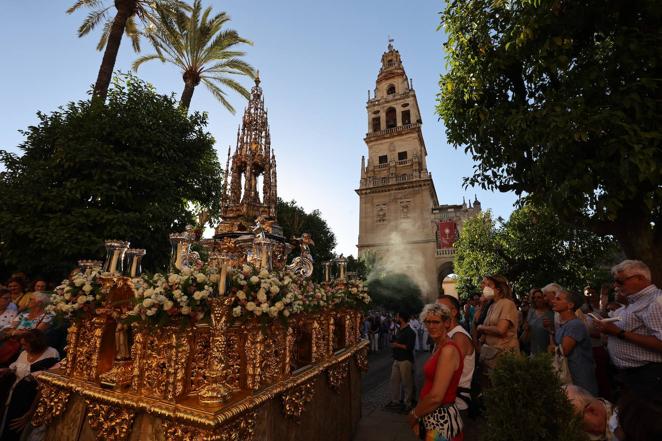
pixel 392 130
pixel 445 251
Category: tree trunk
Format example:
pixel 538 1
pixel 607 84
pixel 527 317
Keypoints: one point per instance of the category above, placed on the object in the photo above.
pixel 124 11
pixel 187 95
pixel 639 239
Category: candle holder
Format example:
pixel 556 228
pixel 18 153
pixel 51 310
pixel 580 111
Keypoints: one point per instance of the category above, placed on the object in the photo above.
pixel 115 250
pixel 134 258
pixel 327 271
pixel 180 247
pixel 220 263
pixel 342 267
pixel 262 250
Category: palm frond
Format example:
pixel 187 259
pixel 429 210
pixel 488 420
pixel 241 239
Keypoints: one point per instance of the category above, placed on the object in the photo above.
pixel 92 19
pixel 219 94
pixel 230 83
pixel 145 58
pixel 104 36
pixel 233 66
pixel 84 4
pixel 192 38
pixel 131 31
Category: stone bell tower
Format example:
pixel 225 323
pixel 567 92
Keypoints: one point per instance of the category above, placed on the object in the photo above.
pixel 396 190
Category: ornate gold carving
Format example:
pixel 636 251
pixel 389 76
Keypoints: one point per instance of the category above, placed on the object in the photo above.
pixel 318 341
pixel 163 361
pixel 275 354
pixel 361 357
pixel 72 347
pixel 120 375
pixel 52 403
pixel 346 317
pixel 188 414
pixel 254 359
pixel 216 390
pixel 87 349
pixel 234 350
pixel 137 354
pixel 200 358
pixel 241 428
pixel 110 423
pixel 290 339
pixel 330 327
pixel 295 399
pixel 337 374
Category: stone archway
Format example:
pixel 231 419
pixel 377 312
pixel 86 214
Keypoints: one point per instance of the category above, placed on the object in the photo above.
pixel 443 271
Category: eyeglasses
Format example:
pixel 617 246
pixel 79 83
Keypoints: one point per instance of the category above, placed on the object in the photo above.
pixel 622 281
pixel 432 322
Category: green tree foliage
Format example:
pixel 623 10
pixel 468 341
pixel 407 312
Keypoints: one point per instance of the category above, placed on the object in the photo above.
pixel 526 403
pixel 532 248
pixel 357 266
pixel 477 253
pixel 560 101
pixel 295 221
pixel 128 14
pixel 127 170
pixel 396 292
pixel 198 44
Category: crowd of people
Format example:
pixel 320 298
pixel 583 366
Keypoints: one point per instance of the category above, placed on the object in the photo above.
pixel 30 342
pixel 606 346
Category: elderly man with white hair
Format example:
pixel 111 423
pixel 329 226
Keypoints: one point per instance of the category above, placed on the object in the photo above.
pixel 635 340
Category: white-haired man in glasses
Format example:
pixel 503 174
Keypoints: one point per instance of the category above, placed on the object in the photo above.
pixel 635 339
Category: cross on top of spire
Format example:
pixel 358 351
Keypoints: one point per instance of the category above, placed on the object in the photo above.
pixel 390 42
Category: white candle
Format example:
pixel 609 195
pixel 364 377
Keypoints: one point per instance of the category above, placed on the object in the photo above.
pixel 221 282
pixel 265 258
pixel 134 266
pixel 178 260
pixel 113 262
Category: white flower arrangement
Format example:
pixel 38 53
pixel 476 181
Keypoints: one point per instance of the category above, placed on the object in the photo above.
pixel 78 295
pixel 183 297
pixel 264 294
pixel 180 297
pixel 280 294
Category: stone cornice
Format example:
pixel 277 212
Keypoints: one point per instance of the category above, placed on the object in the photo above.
pixel 404 185
pixel 392 244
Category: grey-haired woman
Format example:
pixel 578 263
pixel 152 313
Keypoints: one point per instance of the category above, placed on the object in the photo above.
pixel 436 412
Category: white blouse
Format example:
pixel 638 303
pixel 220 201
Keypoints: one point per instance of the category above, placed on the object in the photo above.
pixel 22 366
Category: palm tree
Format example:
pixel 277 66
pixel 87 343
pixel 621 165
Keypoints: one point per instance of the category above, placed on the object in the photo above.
pixel 124 21
pixel 202 49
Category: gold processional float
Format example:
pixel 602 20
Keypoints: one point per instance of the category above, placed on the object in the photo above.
pixel 240 347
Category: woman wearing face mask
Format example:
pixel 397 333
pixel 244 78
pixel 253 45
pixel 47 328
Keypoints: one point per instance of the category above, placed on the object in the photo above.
pixel 498 333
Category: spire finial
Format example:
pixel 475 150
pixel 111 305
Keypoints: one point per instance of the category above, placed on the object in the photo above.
pixel 257 78
pixel 390 42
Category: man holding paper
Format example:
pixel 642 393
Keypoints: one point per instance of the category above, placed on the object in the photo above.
pixel 635 341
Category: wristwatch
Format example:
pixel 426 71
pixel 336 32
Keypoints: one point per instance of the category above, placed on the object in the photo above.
pixel 621 334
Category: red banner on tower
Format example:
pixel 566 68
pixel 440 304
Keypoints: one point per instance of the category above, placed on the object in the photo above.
pixel 446 234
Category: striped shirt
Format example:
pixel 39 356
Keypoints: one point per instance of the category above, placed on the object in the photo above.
pixel 643 316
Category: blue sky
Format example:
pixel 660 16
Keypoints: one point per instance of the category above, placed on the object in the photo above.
pixel 317 61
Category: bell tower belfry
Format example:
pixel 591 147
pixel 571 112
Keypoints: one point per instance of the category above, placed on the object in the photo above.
pixel 396 190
